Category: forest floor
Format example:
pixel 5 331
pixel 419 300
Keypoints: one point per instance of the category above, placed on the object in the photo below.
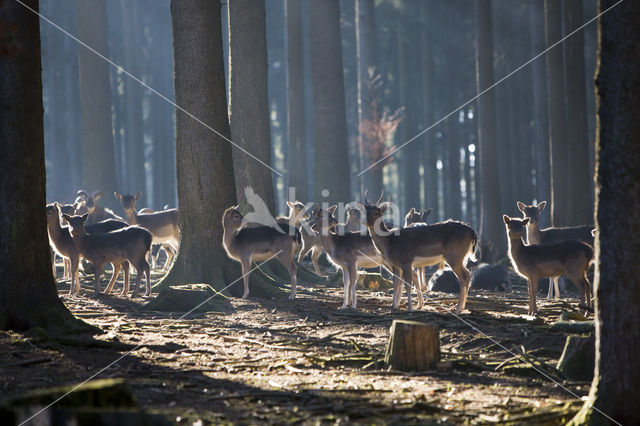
pixel 304 361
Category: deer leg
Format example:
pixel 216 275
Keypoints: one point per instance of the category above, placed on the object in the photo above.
pixel 75 286
pixel 67 267
pixel 53 263
pixel 407 277
pixel 171 254
pixel 287 261
pixel 346 281
pixel 416 279
pixel 396 288
pixel 147 271
pixel 98 266
pixel 556 287
pixel 246 271
pixel 353 278
pixel 127 274
pixel 116 271
pixel 533 291
pixel 550 290
pixel 303 251
pixel 315 255
pixel 463 275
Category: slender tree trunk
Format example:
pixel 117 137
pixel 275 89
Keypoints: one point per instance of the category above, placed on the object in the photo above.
pixel 491 231
pixel 580 203
pixel 540 106
pixel 557 114
pixel 297 175
pixel 28 294
pixel 249 101
pixel 617 277
pixel 206 185
pixel 98 158
pixel 133 137
pixel 329 115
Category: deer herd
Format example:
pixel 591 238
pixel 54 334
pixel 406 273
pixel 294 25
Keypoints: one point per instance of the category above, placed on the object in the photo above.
pixel 84 230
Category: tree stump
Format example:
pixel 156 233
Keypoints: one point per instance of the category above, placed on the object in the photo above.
pixel 413 346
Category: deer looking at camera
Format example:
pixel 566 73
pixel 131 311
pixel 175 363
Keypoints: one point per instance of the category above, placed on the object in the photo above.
pixel 163 225
pixel 250 244
pixel 88 203
pixel 450 243
pixel 311 242
pixel 533 262
pixel 348 252
pixel 551 235
pixel 117 247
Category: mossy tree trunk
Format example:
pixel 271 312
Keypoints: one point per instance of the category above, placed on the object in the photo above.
pixel 28 295
pixel 615 388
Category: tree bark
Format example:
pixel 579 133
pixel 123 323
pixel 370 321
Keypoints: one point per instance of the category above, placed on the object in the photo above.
pixel 491 230
pixel 98 158
pixel 331 167
pixel 297 170
pixel 557 115
pixel 540 106
pixel 206 185
pixel 580 203
pixel 249 101
pixel 28 294
pixel 617 276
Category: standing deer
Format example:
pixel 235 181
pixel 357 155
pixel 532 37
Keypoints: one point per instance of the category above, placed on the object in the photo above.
pixel 156 248
pixel 62 243
pixel 533 261
pixel 117 247
pixel 537 236
pixel 348 252
pixel 251 244
pixel 418 218
pixel 449 242
pixel 163 225
pixel 311 242
pixel 89 204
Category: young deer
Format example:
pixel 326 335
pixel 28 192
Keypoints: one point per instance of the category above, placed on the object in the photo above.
pixel 538 236
pixel 117 247
pixel 418 218
pixel 89 204
pixel 163 225
pixel 311 242
pixel 533 262
pixel 348 252
pixel 247 245
pixel 447 242
pixel 62 243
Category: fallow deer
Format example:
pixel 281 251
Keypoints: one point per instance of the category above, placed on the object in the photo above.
pixel 310 240
pixel 348 252
pixel 571 258
pixel 163 225
pixel 250 244
pixel 168 250
pixel 551 235
pixel 450 243
pixel 418 218
pixel 127 244
pixel 89 204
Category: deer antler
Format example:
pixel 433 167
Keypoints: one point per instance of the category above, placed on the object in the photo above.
pixel 380 199
pixel 365 196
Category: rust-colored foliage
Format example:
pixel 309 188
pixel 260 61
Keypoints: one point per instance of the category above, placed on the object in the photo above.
pixel 377 128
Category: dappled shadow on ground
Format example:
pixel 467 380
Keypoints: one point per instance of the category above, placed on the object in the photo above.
pixel 277 361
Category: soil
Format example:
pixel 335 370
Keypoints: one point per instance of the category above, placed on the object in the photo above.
pixel 305 361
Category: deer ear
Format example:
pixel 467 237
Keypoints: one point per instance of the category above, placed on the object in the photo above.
pixel 290 204
pixel 138 194
pixel 426 213
pixel 506 219
pixel 361 206
pixel 521 206
pixel 383 206
pixel 66 217
pixel 118 195
pixel 525 221
pixel 97 195
pixel 84 216
pixel 541 206
pixel 412 211
pixel 332 208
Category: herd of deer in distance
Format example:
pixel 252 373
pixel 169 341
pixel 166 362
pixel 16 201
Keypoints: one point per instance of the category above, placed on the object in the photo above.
pixel 86 230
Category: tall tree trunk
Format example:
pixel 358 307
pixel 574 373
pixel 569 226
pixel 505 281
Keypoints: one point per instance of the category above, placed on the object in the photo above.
pixel 297 170
pixel 557 114
pixel 580 203
pixel 617 277
pixel 28 294
pixel 249 101
pixel 98 158
pixel 540 106
pixel 426 66
pixel 206 185
pixel 492 230
pixel 329 115
pixel 133 136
